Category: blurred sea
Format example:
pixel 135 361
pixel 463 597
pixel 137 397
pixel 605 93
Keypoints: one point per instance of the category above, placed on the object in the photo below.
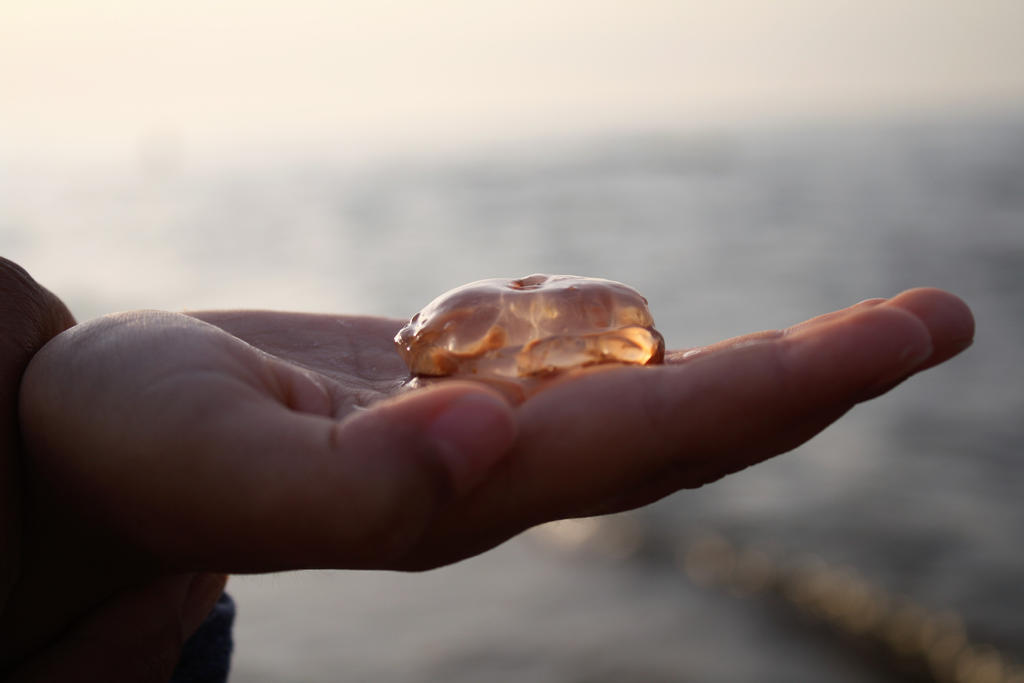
pixel 920 492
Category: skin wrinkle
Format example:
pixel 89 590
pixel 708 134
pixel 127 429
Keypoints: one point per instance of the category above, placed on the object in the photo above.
pixel 259 340
pixel 365 358
pixel 266 369
pixel 377 369
pixel 311 397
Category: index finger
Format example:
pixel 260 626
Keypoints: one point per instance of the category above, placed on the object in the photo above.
pixel 617 438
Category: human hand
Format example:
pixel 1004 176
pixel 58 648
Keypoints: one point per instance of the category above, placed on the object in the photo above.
pixel 256 441
pixel 133 634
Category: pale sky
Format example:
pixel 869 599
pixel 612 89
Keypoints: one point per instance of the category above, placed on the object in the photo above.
pixel 85 78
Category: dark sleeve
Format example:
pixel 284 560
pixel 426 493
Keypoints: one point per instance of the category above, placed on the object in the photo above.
pixel 206 656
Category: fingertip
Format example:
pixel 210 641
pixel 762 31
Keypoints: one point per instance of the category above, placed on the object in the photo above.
pixel 472 432
pixel 462 427
pixel 403 461
pixel 947 317
pixel 470 425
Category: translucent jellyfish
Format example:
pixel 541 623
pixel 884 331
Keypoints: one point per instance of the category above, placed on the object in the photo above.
pixel 533 327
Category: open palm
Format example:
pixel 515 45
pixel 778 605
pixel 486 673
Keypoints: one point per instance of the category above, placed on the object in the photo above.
pixel 261 441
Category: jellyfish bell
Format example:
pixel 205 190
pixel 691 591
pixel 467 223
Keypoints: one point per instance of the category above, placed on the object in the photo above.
pixel 530 328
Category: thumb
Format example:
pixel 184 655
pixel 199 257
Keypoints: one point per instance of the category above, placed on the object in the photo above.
pixel 460 430
pixel 392 468
pixel 281 489
pixel 205 454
